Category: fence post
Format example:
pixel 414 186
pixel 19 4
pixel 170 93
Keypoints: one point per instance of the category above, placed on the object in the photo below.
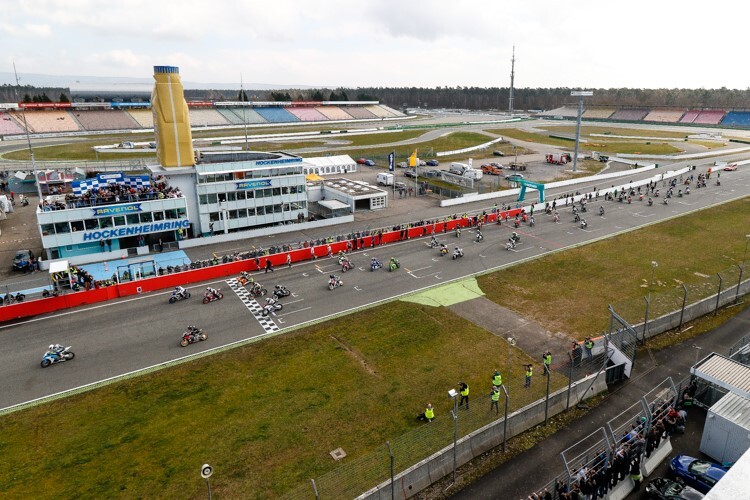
pixel 739 281
pixel 682 311
pixel 718 295
pixel 393 494
pixel 505 421
pixel 570 380
pixel 645 322
pixel 546 400
pixel 315 489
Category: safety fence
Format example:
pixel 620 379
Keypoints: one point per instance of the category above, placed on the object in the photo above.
pixel 740 351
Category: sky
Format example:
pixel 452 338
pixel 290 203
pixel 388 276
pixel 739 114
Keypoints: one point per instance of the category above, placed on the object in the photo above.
pixel 390 43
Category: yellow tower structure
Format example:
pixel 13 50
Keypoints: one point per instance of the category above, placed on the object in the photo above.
pixel 174 140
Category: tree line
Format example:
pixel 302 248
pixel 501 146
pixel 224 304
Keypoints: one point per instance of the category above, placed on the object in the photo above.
pixel 473 98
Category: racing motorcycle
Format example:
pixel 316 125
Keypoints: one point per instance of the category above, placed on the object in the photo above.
pixel 393 264
pixel 457 253
pixel 601 211
pixel 181 295
pixel 244 278
pixel 443 250
pixel 480 236
pixel 433 243
pixel 52 357
pixel 511 244
pixel 212 297
pixel 584 224
pixel 192 335
pixel 346 265
pixel 258 290
pixel 271 307
pixel 334 282
pixel 375 264
pixel 515 237
pixel 280 291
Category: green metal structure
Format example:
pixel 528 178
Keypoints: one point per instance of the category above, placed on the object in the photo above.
pixel 536 185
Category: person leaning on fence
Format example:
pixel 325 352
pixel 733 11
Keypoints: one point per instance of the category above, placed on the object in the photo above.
pixel 529 372
pixel 588 345
pixel 428 414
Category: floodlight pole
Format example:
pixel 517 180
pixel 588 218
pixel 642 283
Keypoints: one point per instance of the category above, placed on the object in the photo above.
pixel 28 139
pixel 580 94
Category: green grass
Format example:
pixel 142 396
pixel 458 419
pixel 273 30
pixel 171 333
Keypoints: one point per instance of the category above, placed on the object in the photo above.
pixel 78 150
pixel 628 147
pixel 641 132
pixel 569 291
pixel 450 142
pixel 265 416
pixel 523 135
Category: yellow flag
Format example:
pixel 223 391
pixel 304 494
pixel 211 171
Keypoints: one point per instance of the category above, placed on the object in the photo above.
pixel 413 159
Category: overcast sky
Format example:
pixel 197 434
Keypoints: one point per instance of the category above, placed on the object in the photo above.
pixel 424 43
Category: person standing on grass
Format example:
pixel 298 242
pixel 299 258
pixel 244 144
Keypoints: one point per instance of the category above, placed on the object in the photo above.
pixel 463 388
pixel 529 373
pixel 497 379
pixel 495 399
pixel 547 359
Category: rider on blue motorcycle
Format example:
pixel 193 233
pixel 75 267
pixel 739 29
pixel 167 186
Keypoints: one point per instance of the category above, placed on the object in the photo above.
pixel 55 350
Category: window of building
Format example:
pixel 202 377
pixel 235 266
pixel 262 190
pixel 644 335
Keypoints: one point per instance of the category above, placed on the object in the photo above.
pixel 260 210
pixel 213 216
pixel 242 213
pixel 239 175
pixel 181 213
pixel 119 220
pixel 62 227
pixel 170 214
pixel 48 229
pixel 203 199
pixel 146 217
pixel 251 212
pixel 76 225
pixel 158 216
pixel 233 214
pixel 133 219
pixel 276 191
pixel 212 198
pixel 105 222
pixel 250 195
pixel 91 224
pixel 277 209
pixel 240 195
pixel 222 197
pixel 232 196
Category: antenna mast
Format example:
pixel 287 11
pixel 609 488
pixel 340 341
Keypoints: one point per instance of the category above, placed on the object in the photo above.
pixel 512 76
pixel 244 115
pixel 28 137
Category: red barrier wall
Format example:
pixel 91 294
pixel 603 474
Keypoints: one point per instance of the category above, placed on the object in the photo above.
pixel 51 304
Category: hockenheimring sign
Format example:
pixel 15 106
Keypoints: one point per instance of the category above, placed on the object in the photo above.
pixel 120 232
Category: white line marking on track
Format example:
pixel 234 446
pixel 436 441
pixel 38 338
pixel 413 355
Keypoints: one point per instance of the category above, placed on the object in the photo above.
pixel 293 312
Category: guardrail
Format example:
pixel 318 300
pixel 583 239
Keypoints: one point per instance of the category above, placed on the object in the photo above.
pixel 472 148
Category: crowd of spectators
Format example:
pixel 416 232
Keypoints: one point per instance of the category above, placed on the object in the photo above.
pixel 114 193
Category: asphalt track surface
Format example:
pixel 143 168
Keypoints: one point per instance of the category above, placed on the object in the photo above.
pixel 122 336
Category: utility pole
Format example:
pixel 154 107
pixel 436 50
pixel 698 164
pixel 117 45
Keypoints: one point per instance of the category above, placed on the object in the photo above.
pixel 580 94
pixel 28 138
pixel 512 77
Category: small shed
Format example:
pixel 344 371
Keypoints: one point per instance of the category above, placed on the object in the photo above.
pixel 726 433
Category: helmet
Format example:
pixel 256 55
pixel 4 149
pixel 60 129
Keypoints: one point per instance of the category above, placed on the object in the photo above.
pixel 51 346
pixel 251 280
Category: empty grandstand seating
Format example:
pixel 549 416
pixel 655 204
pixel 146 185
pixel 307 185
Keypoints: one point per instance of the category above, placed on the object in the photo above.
pixel 600 113
pixel 105 119
pixel 690 116
pixel 203 117
pixel 240 116
pixel 737 119
pixel 665 115
pixel 633 115
pixel 334 113
pixel 42 121
pixel 391 110
pixel 710 116
pixel 563 111
pixel 308 114
pixel 144 117
pixel 359 113
pixel 276 115
pixel 378 111
pixel 8 125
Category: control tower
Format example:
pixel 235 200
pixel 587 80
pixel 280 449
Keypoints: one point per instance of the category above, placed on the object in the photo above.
pixel 174 141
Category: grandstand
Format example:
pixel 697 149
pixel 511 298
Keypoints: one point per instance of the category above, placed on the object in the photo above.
pixel 105 119
pixel 631 115
pixel 598 113
pixel 737 119
pixel 45 121
pixel 360 113
pixel 334 113
pixel 665 115
pixel 710 116
pixel 564 111
pixel 206 117
pixel 378 111
pixel 144 117
pixel 690 116
pixel 8 125
pixel 276 115
pixel 307 114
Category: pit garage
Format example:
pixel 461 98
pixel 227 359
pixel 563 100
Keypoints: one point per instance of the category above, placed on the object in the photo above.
pixel 358 195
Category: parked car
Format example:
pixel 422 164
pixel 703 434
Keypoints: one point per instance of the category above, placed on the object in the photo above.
pixel 731 167
pixel 699 474
pixel 422 163
pixel 433 163
pixel 498 153
pixel 369 163
pixel 667 489
pixel 514 177
pixel 496 164
pixel 21 259
pixel 361 161
pixel 492 170
pixel 411 172
pixel 401 164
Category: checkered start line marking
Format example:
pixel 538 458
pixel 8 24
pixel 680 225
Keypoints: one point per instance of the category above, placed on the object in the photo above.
pixel 253 306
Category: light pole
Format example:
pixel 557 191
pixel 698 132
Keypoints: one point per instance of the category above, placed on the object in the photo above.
pixel 206 471
pixel 511 343
pixel 744 257
pixel 654 265
pixel 580 94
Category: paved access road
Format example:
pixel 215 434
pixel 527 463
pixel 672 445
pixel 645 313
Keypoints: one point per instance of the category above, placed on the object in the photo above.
pixel 118 337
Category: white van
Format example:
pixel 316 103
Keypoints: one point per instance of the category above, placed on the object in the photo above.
pixel 473 173
pixel 385 179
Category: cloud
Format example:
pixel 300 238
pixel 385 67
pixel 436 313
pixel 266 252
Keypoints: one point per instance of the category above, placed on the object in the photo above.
pixel 28 30
pixel 117 57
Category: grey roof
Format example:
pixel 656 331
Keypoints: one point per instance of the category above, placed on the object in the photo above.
pixel 734 408
pixel 724 372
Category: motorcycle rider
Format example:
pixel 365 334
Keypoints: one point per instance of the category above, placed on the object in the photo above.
pixel 532 221
pixel 333 280
pixel 514 236
pixel 212 293
pixel 443 249
pixel 584 224
pixel 556 217
pixel 375 264
pixel 480 236
pixel 601 210
pixel 56 350
pixel 650 201
pixel 394 263
pixel 457 252
pixel 434 242
pixel 178 291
